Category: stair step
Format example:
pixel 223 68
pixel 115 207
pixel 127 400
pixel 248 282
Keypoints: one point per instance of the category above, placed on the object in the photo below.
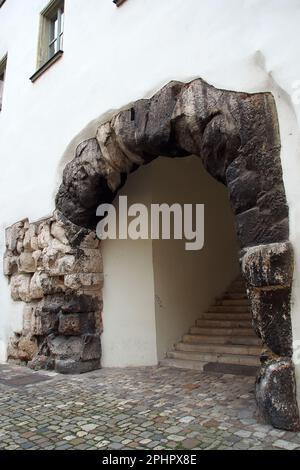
pixel 182 363
pixel 230 309
pixel 214 357
pixel 225 316
pixel 202 339
pixel 238 284
pixel 238 281
pixel 224 323
pixel 223 339
pixel 234 296
pixel 233 369
pixel 196 330
pixel 235 349
pixel 233 302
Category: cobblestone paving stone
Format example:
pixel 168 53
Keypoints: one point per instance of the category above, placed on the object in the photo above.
pixel 135 408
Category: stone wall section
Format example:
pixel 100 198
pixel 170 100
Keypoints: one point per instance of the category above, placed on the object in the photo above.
pixel 56 269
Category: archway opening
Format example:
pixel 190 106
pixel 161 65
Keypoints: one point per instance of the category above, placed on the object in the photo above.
pixel 163 288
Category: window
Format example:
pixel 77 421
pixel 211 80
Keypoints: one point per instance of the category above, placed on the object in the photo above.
pixel 50 47
pixel 2 78
pixel 56 27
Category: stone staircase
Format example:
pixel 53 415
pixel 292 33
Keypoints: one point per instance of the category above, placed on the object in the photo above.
pixel 222 339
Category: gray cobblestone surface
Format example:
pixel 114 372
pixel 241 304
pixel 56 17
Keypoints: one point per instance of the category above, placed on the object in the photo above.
pixel 135 408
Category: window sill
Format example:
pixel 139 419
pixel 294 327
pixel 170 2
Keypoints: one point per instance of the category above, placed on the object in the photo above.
pixel 46 66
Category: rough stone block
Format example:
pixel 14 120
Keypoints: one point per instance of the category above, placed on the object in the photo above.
pixel 259 228
pixel 44 323
pixel 44 236
pixel 41 361
pixel 85 348
pixel 269 265
pixel 66 347
pixel 22 348
pixel 28 345
pixel 58 232
pixel 41 284
pixel 74 324
pixel 26 263
pixel 28 313
pixel 61 266
pixel 10 263
pixel 243 191
pixel 90 240
pixel 15 234
pixel 70 324
pixel 72 303
pixel 88 261
pixel 79 281
pixel 91 347
pixel 83 191
pixel 271 318
pixel 69 366
pixel 20 287
pixel 276 394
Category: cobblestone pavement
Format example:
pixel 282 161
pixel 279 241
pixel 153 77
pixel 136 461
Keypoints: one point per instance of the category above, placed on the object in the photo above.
pixel 135 408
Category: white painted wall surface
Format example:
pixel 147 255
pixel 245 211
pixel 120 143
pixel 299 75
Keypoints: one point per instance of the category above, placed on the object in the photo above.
pixel 129 333
pixel 186 282
pixel 114 56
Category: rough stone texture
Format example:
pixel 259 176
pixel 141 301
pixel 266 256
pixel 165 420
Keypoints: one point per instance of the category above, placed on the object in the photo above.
pixel 76 323
pixel 276 394
pixel 269 265
pixel 271 318
pixel 56 268
pixel 237 137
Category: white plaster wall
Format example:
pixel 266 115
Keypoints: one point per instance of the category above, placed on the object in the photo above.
pixel 129 333
pixel 114 56
pixel 186 282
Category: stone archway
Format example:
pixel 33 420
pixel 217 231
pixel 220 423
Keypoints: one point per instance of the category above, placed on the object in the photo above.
pixel 55 264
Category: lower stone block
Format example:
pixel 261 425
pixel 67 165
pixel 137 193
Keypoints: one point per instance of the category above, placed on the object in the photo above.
pixel 69 366
pixel 44 323
pixel 276 394
pixel 74 324
pixel 77 348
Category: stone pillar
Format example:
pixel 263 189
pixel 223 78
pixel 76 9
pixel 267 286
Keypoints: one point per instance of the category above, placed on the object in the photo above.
pixel 268 270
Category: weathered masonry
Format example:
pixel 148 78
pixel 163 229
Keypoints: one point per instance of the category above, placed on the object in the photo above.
pixel 55 267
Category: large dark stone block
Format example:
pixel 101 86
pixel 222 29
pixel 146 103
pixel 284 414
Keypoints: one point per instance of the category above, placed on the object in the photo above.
pixel 244 190
pixel 276 394
pixel 71 303
pixel 44 322
pixel 73 324
pixel 269 265
pixel 271 317
pixel 146 128
pixel 84 186
pixel 258 228
pixel 91 347
pixel 70 366
pixel 78 348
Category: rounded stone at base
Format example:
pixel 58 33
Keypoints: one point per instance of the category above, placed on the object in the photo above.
pixel 69 366
pixel 276 394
